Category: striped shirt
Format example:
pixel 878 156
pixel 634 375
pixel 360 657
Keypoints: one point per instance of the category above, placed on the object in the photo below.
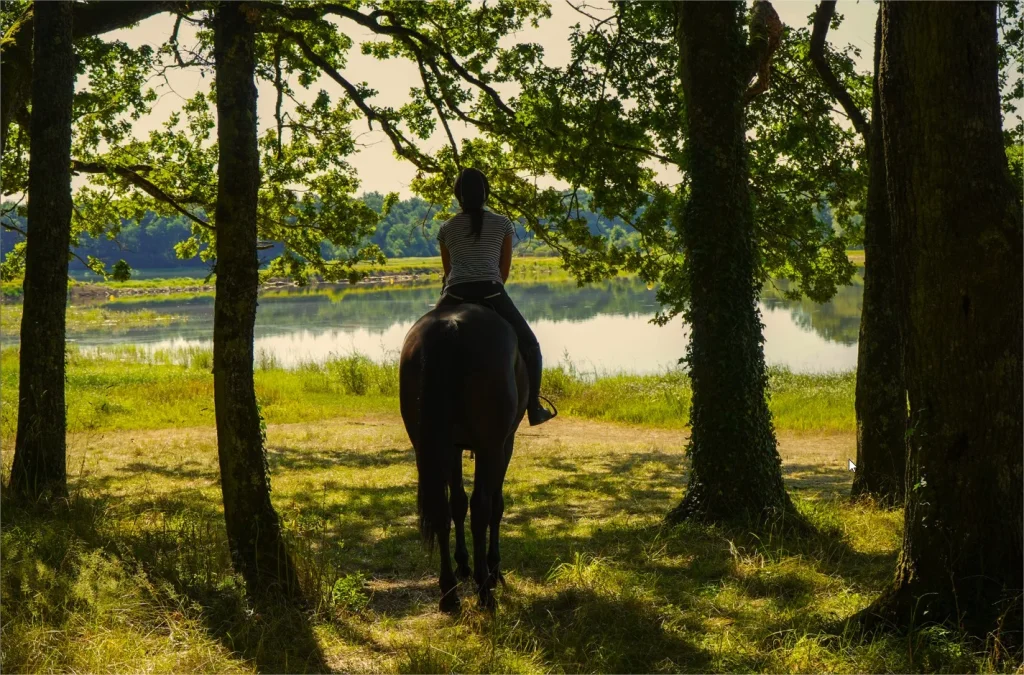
pixel 474 259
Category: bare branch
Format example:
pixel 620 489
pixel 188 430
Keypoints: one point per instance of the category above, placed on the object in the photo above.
pixel 822 20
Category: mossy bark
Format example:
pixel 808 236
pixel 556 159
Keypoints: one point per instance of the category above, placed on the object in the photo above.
pixel 881 397
pixel 254 532
pixel 958 250
pixel 39 466
pixel 735 472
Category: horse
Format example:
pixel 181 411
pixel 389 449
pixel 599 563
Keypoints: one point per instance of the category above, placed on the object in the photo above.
pixel 462 386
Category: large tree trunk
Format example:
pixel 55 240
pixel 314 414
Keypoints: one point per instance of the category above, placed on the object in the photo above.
pixel 735 472
pixel 958 247
pixel 39 467
pixel 254 531
pixel 881 397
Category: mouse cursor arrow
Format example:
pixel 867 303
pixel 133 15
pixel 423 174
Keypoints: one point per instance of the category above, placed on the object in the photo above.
pixel 850 465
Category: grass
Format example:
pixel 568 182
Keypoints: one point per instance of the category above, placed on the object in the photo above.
pixel 124 387
pixel 90 318
pixel 134 575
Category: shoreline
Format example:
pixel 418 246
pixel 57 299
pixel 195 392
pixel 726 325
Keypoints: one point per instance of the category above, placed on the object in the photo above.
pixel 102 292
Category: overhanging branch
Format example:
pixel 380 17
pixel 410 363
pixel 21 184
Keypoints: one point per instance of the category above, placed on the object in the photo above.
pixel 130 175
pixel 822 20
pixel 402 145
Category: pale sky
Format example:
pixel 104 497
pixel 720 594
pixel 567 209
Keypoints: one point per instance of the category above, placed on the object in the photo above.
pixel 376 164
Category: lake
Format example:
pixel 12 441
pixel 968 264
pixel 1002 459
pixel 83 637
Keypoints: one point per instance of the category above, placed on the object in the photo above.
pixel 600 328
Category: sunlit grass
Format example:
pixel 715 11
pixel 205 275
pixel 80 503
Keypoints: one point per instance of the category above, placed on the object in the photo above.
pixel 128 387
pixel 135 575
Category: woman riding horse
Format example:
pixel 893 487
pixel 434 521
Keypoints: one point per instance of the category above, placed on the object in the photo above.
pixel 463 384
pixel 476 251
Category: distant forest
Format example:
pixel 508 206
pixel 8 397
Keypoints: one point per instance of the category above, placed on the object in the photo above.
pixel 409 230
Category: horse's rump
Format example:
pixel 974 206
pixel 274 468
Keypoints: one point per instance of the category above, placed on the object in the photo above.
pixel 462 385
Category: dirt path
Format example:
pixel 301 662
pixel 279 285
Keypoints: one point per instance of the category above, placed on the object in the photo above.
pixel 810 461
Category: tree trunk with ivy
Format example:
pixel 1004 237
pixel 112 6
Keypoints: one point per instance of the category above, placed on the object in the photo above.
pixel 735 472
pixel 958 249
pixel 254 531
pixel 881 395
pixel 39 468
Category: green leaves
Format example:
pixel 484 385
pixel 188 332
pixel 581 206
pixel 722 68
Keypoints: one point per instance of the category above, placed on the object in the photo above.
pixel 605 121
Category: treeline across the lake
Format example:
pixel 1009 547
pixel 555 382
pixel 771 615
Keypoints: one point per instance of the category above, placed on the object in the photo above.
pixel 408 230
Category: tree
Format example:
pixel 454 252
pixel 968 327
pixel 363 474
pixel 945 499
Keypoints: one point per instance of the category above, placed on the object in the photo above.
pixel 735 466
pixel 89 19
pixel 39 467
pixel 881 399
pixel 254 531
pixel 602 121
pixel 958 245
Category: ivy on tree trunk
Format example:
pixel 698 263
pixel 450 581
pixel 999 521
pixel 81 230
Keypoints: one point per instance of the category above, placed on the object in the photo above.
pixel 735 472
pixel 39 467
pixel 958 249
pixel 254 531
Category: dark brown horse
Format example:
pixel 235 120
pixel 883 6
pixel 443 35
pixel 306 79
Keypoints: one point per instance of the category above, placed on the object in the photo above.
pixel 462 386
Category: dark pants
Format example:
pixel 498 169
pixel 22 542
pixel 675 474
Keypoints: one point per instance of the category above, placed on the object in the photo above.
pixel 479 291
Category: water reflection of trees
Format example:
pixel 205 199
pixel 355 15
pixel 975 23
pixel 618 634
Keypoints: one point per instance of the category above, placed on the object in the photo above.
pixel 379 307
pixel 836 321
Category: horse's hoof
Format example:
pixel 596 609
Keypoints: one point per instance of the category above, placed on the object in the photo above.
pixel 450 602
pixel 464 572
pixel 487 601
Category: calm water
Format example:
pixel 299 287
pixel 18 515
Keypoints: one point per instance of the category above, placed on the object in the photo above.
pixel 601 328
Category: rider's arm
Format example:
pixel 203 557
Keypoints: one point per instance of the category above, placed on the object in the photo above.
pixel 505 261
pixel 446 261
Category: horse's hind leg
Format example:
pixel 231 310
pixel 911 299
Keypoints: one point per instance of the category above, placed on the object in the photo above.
pixel 460 505
pixel 449 586
pixel 497 510
pixel 489 469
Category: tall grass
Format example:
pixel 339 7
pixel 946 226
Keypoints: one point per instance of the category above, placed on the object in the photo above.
pixel 129 387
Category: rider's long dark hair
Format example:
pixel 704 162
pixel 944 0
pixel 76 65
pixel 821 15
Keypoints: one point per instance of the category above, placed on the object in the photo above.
pixel 471 189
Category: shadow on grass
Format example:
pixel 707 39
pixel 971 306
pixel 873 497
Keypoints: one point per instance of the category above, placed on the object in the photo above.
pixel 588 630
pixel 96 543
pixel 294 459
pixel 814 478
pixel 600 518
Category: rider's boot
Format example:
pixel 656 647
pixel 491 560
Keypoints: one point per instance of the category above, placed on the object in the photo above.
pixel 535 412
pixel 538 414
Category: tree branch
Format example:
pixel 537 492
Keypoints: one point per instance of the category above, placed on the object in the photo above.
pixel 128 173
pixel 396 29
pixel 440 111
pixel 13 228
pixel 822 20
pixel 403 146
pixel 765 37
pixel 280 91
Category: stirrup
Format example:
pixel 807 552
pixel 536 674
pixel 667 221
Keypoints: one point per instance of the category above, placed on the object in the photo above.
pixel 554 410
pixel 548 415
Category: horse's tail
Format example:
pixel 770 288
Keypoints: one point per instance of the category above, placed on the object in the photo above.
pixel 436 449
